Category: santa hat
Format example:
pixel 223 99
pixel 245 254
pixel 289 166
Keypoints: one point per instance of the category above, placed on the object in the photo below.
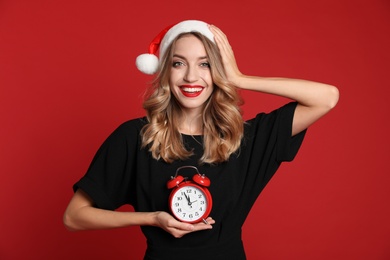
pixel 148 62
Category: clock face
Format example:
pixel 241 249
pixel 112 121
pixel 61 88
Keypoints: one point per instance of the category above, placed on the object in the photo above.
pixel 190 203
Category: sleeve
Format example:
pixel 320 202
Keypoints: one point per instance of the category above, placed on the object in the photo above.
pixel 270 135
pixel 268 144
pixel 287 146
pixel 108 180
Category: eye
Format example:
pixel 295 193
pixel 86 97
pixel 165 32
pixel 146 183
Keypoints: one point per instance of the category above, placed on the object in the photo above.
pixel 177 63
pixel 205 64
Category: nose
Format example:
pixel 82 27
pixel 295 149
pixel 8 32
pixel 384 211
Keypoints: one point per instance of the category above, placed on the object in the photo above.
pixel 191 74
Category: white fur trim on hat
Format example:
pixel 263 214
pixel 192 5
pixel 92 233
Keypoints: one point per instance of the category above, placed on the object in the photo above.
pixel 148 63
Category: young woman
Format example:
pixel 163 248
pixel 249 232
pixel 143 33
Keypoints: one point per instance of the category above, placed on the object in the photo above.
pixel 193 121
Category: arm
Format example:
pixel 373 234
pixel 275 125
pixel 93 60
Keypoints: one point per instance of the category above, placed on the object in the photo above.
pixel 314 99
pixel 81 215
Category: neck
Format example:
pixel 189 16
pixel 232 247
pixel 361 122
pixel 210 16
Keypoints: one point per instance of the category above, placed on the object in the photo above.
pixel 191 125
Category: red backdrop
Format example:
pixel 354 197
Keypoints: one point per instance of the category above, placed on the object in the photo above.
pixel 67 79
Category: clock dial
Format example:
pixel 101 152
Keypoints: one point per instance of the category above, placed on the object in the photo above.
pixel 189 203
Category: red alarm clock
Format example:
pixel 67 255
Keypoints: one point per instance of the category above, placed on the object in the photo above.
pixel 190 201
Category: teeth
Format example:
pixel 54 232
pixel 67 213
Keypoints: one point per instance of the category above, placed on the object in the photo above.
pixel 192 90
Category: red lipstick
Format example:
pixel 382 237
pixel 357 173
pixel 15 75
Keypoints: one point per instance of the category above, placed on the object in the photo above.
pixel 191 90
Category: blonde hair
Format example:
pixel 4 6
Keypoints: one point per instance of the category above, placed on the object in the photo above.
pixel 223 125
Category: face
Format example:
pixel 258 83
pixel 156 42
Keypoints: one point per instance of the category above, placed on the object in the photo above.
pixel 190 76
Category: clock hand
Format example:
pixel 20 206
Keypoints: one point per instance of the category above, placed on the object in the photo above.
pixel 188 199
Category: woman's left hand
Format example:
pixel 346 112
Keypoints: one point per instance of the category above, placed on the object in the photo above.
pixel 228 59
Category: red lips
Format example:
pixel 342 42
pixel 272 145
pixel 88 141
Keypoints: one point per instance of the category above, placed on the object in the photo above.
pixel 191 90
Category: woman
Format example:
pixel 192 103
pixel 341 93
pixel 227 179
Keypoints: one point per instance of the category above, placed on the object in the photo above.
pixel 193 119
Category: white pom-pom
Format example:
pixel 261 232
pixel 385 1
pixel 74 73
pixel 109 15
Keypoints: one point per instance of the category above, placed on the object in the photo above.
pixel 147 63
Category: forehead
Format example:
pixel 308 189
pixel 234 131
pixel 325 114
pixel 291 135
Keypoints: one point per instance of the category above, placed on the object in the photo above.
pixel 189 44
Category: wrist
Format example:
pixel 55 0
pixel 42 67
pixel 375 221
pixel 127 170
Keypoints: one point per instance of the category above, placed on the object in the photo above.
pixel 153 220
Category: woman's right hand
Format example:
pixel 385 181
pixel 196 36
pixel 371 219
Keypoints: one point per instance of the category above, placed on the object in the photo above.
pixel 82 215
pixel 179 229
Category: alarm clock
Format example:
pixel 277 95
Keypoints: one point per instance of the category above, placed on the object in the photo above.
pixel 190 201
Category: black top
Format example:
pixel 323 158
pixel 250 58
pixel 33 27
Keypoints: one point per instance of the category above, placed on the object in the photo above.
pixel 123 173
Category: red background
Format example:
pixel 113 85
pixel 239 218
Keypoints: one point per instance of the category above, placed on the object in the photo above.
pixel 67 79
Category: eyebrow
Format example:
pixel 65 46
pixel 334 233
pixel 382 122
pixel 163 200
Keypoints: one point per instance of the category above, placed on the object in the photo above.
pixel 182 57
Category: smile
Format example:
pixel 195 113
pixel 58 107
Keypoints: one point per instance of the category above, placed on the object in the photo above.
pixel 191 91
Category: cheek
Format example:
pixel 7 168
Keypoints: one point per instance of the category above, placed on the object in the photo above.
pixel 175 77
pixel 206 76
pixel 173 89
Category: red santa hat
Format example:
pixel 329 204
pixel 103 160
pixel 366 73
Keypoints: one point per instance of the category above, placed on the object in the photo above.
pixel 148 62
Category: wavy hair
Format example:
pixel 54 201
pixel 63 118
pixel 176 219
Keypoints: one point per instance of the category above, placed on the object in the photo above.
pixel 223 125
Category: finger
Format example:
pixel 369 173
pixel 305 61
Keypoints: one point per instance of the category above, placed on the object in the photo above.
pixel 216 30
pixel 205 224
pixel 183 226
pixel 222 43
pixel 210 220
pixel 219 36
pixel 180 229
